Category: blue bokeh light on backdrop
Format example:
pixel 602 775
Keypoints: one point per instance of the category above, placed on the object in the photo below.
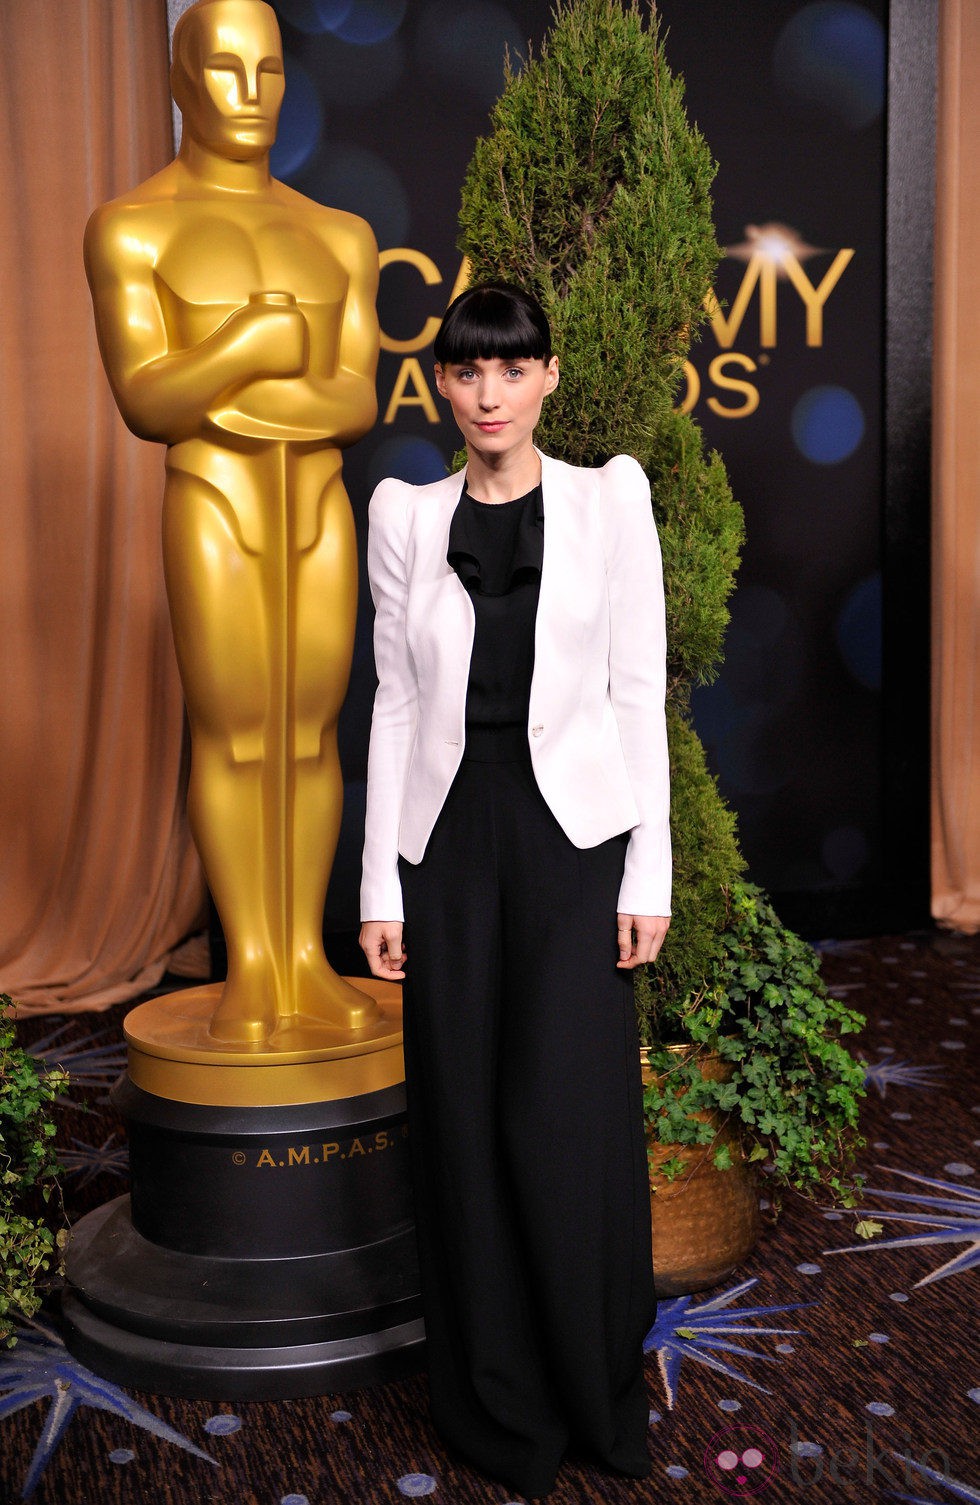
pixel 763 655
pixel 827 424
pixel 830 59
pixel 333 13
pixel 370 21
pixel 306 15
pixel 845 852
pixel 716 712
pixel 411 459
pixel 352 178
pixel 764 668
pixel 748 760
pixel 734 727
pixel 859 632
pixel 356 77
pixel 300 123
pixel 463 47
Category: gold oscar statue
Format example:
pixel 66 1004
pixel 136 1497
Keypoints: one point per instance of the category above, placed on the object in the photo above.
pixel 237 325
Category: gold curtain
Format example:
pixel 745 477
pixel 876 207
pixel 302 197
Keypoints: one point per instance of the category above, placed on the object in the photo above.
pixel 98 877
pixel 956 491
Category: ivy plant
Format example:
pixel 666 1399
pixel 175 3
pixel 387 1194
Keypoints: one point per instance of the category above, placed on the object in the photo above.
pixel 29 1224
pixel 792 1090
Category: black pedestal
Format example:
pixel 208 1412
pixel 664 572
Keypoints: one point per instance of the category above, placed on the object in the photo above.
pixel 265 1253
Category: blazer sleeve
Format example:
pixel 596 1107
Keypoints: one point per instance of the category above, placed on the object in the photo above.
pixel 395 716
pixel 638 678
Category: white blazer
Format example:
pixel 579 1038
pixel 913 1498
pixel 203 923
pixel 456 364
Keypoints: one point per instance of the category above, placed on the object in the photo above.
pixel 596 725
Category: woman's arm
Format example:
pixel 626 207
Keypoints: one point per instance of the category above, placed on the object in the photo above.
pixel 637 684
pixel 395 715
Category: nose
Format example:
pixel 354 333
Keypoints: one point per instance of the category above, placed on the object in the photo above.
pixel 489 394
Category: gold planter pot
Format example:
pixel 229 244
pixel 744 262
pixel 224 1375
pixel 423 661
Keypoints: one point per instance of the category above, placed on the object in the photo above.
pixel 705 1221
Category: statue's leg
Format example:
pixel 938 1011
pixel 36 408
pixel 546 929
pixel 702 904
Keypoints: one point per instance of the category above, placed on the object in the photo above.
pixel 326 611
pixel 214 585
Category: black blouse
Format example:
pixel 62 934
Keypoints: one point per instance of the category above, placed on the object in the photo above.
pixel 496 549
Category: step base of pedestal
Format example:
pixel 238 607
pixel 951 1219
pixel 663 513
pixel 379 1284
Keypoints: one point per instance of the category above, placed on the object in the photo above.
pixel 229 1328
pixel 197 1372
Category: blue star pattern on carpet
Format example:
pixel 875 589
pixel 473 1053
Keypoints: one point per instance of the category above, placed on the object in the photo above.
pixel 683 1331
pixel 41 1367
pixel 953 1489
pixel 92 1061
pixel 950 1219
pixel 110 1158
pixel 881 1074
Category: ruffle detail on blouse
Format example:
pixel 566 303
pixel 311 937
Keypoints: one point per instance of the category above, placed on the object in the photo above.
pixel 495 546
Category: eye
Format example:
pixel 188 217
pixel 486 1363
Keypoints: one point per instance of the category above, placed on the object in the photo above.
pixel 465 374
pixel 752 1458
pixel 225 62
pixel 515 371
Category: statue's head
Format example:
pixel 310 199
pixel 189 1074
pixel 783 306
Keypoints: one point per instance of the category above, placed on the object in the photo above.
pixel 227 76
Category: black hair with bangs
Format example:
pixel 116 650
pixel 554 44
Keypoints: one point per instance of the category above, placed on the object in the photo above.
pixel 493 321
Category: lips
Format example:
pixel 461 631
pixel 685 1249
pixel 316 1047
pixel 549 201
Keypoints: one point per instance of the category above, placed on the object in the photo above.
pixel 491 428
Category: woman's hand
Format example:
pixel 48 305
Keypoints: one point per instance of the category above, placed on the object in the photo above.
pixel 640 937
pixel 381 942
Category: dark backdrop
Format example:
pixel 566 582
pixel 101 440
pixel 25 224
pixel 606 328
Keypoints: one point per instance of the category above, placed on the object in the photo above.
pixel 817 725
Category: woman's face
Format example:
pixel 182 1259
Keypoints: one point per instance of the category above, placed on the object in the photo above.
pixel 497 403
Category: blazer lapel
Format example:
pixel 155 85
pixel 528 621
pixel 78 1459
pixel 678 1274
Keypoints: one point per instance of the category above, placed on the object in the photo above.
pixel 569 545
pixel 433 514
pixel 448 601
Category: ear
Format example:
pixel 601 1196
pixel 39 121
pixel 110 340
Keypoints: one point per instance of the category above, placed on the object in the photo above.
pixel 440 376
pixel 551 375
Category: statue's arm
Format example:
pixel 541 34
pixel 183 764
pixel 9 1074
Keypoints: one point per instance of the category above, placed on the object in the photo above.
pixel 163 393
pixel 337 396
pixel 354 383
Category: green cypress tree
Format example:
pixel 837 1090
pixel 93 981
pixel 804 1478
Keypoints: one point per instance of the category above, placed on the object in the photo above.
pixel 594 190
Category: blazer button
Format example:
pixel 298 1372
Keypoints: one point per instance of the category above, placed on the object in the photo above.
pixel 536 731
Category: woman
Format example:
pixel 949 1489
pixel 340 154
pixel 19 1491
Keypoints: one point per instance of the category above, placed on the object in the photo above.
pixel 517 822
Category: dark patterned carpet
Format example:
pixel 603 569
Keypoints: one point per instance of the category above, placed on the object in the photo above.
pixel 818 1373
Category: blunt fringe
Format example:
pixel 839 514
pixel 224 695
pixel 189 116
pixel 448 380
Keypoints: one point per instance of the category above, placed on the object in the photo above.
pixel 493 321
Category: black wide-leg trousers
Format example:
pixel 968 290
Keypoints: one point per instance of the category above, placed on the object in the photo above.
pixel 529 1160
